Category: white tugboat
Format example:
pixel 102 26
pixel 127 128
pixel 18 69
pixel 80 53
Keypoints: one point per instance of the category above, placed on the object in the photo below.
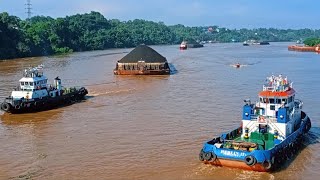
pixel 34 94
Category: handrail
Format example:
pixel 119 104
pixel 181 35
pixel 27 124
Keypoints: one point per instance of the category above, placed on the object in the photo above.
pixel 276 128
pixel 269 120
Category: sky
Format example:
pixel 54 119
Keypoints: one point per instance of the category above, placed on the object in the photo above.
pixel 233 14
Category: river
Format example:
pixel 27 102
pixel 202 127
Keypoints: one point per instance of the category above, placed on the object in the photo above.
pixel 151 127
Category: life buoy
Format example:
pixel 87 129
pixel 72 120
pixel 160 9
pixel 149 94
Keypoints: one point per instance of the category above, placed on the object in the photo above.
pixel 250 160
pixel 201 158
pixel 261 119
pixel 17 106
pixel 5 106
pixel 213 156
pixel 267 165
pixel 207 156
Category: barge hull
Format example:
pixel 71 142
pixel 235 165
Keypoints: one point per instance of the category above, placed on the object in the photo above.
pixel 139 72
pixel 47 103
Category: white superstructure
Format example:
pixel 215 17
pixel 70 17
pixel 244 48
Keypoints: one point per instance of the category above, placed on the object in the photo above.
pixel 276 111
pixel 34 85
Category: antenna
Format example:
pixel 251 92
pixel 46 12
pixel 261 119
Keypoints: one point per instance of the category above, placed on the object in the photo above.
pixel 28 8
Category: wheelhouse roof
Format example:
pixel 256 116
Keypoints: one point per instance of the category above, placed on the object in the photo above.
pixel 287 93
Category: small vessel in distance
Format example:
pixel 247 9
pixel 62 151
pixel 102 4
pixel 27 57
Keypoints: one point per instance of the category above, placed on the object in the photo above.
pixel 34 94
pixel 191 43
pixel 183 45
pixel 255 42
pixel 271 131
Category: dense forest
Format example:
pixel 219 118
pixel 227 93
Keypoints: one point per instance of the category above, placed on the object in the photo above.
pixel 42 35
pixel 312 41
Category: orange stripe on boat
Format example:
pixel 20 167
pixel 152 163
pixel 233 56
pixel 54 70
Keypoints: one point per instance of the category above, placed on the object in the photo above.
pixel 277 93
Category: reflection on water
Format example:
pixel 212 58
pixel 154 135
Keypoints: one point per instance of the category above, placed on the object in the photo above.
pixel 150 127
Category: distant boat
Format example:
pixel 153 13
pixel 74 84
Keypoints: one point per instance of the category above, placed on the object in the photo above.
pixel 255 42
pixel 264 43
pixel 183 45
pixel 245 43
pixel 190 44
pixel 299 41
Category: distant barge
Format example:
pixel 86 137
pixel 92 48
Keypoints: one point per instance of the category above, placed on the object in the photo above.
pixel 255 42
pixel 190 44
pixel 142 60
pixel 304 48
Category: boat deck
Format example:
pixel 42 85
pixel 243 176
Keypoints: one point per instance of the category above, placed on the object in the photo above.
pixel 261 141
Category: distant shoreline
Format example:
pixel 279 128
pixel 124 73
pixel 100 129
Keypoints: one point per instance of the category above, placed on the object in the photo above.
pixel 42 36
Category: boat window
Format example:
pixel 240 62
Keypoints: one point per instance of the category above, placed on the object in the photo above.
pixel 278 101
pixel 31 83
pixel 26 83
pixel 290 99
pixel 272 107
pixel 266 100
pixel 284 101
pixel 271 100
pixel 22 83
pixel 261 99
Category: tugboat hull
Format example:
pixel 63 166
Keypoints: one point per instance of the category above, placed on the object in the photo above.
pixel 256 160
pixel 44 103
pixel 237 164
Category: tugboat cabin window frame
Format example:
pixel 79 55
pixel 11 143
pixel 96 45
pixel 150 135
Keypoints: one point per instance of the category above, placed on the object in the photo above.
pixel 275 100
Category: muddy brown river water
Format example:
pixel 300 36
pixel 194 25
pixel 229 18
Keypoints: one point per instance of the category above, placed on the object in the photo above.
pixel 151 127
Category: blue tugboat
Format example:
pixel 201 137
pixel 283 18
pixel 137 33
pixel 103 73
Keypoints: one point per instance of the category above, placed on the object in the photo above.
pixel 270 133
pixel 34 94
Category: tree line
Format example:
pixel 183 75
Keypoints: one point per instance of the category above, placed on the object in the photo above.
pixel 41 35
pixel 312 41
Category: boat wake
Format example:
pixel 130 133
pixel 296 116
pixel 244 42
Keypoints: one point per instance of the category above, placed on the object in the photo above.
pixel 239 65
pixel 97 93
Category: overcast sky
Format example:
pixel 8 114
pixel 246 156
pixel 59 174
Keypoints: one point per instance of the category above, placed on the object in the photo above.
pixel 237 14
